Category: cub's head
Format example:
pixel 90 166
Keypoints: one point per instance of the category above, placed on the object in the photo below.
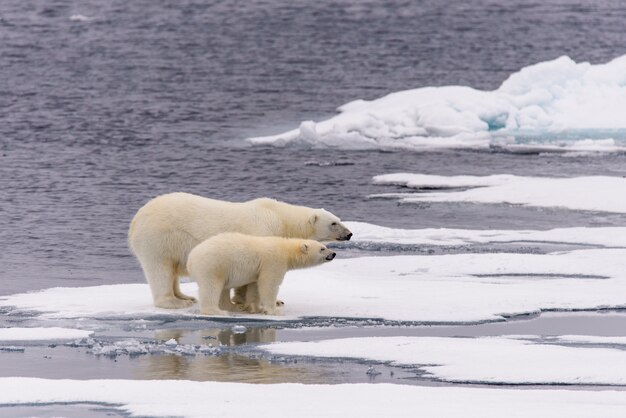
pixel 315 252
pixel 328 227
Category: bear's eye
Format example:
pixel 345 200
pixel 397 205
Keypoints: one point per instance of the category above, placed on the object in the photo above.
pixel 322 250
pixel 333 224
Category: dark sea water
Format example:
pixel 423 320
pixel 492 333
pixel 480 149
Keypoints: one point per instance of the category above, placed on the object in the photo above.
pixel 104 105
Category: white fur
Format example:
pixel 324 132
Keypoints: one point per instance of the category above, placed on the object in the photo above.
pixel 233 260
pixel 165 229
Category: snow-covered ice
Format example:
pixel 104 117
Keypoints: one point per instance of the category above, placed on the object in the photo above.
pixel 201 399
pixel 601 236
pixel 592 339
pixel 593 193
pixel 41 334
pixel 452 288
pixel 479 360
pixel 570 103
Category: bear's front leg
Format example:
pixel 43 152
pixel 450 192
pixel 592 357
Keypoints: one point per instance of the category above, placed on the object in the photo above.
pixel 267 287
pixel 210 291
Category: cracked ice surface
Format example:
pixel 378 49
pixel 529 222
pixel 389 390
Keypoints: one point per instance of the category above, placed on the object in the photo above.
pixel 200 399
pixel 557 105
pixel 497 360
pixel 453 288
pixel 594 193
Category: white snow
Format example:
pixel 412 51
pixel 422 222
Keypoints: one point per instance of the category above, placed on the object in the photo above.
pixel 592 339
pixel 201 399
pixel 444 288
pixel 593 193
pixel 603 236
pixel 564 102
pixel 41 334
pixel 486 359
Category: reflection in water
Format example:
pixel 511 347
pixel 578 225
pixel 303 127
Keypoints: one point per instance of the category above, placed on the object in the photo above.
pixel 229 367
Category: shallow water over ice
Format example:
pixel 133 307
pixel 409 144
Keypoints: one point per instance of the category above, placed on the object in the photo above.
pixel 233 356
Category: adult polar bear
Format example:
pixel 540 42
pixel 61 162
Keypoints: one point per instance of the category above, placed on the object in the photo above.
pixel 165 230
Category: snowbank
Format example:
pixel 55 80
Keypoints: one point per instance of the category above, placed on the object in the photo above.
pixel 595 193
pixel 557 100
pixel 477 360
pixel 202 399
pixel 455 288
pixel 41 334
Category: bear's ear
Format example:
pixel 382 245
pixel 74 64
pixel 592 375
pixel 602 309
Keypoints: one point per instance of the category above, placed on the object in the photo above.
pixel 304 248
pixel 313 219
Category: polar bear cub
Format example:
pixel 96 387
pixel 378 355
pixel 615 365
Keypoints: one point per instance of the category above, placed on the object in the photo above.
pixel 231 260
pixel 165 229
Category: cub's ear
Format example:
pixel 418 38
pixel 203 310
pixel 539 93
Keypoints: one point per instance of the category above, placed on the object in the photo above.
pixel 304 248
pixel 313 219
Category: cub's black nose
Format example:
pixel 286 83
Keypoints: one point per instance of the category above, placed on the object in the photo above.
pixel 349 236
pixel 330 256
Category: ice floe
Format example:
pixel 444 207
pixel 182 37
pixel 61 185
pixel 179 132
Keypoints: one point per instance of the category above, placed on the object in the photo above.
pixel 601 236
pixel 592 339
pixel 41 334
pixel 80 18
pixel 495 360
pixel 452 288
pixel 593 193
pixel 551 105
pixel 201 399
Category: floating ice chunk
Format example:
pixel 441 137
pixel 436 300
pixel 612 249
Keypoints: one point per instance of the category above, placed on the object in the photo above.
pixel 592 339
pixel 80 18
pixel 594 193
pixel 41 334
pixel 560 98
pixel 171 342
pixel 12 349
pixel 135 347
pixel 371 371
pixel 239 329
pixel 477 360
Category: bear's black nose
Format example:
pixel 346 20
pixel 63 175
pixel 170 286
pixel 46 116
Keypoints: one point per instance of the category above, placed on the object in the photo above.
pixel 330 256
pixel 349 236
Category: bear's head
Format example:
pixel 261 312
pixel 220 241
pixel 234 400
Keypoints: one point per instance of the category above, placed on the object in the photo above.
pixel 314 253
pixel 328 227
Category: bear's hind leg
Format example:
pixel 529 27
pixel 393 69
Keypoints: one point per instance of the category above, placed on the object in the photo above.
pixel 179 294
pixel 161 278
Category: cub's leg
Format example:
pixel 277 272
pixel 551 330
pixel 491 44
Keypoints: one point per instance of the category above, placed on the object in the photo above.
pixel 268 285
pixel 161 278
pixel 240 297
pixel 225 303
pixel 210 289
pixel 252 299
